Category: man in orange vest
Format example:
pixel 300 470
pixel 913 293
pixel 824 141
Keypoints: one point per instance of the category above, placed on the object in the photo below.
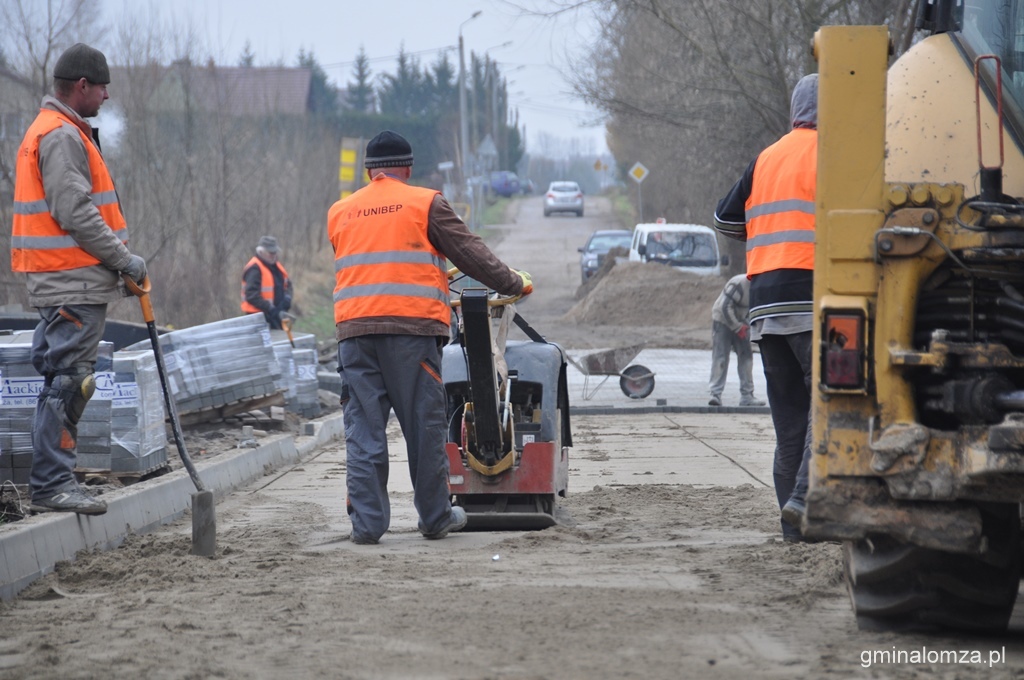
pixel 391 309
pixel 70 240
pixel 771 208
pixel 265 284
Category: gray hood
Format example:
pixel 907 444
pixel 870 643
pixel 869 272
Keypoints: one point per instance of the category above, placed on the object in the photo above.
pixel 803 109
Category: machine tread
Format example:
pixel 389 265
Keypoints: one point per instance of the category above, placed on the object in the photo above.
pixel 897 586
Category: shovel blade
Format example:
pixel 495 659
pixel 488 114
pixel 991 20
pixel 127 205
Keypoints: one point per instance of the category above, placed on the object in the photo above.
pixel 204 524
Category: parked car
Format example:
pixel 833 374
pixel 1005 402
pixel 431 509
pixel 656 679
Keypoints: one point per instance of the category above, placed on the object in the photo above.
pixel 688 247
pixel 504 183
pixel 598 246
pixel 563 197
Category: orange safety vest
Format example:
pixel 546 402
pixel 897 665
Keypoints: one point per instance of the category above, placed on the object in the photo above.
pixel 780 208
pixel 39 243
pixel 384 263
pixel 266 283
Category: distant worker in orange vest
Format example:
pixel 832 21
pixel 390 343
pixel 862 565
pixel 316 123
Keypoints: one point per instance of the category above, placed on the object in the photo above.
pixel 392 314
pixel 771 208
pixel 265 284
pixel 70 240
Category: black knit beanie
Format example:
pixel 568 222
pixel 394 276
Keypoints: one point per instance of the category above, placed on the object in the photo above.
pixel 82 61
pixel 388 150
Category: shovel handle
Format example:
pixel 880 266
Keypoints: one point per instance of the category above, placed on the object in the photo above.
pixel 142 292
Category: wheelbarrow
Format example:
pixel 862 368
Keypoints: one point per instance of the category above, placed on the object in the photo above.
pixel 636 381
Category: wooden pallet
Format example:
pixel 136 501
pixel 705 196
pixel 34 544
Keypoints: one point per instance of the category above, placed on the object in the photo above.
pixel 217 413
pixel 87 475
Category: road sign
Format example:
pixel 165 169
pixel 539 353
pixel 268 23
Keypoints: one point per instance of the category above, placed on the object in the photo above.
pixel 638 172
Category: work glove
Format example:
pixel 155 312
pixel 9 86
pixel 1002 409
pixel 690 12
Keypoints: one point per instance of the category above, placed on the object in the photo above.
pixel 274 315
pixel 136 269
pixel 527 282
pixel 286 303
pixel 744 332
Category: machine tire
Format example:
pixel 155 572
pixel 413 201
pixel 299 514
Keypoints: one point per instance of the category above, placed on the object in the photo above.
pixel 636 382
pixel 895 586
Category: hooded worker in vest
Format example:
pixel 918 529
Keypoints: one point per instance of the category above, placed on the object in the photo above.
pixel 771 208
pixel 70 240
pixel 392 315
pixel 265 284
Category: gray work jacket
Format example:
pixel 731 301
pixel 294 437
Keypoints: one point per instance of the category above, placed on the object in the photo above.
pixel 67 182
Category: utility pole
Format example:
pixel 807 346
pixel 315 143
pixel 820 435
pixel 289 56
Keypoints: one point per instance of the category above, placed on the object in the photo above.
pixel 494 107
pixel 463 122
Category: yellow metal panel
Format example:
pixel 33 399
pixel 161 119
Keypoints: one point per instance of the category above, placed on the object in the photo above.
pixel 851 234
pixel 347 173
pixel 926 123
pixel 852 64
pixel 348 156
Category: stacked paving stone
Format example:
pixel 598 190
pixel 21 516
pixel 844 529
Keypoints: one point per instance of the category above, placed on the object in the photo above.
pixel 137 431
pixel 286 384
pixel 20 386
pixel 301 363
pixel 19 389
pixel 307 399
pixel 219 363
pixel 94 427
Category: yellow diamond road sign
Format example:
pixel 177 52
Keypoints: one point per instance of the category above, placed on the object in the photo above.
pixel 638 172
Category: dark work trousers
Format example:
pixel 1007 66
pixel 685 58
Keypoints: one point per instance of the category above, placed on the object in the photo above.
pixel 66 338
pixel 787 371
pixel 400 372
pixel 723 341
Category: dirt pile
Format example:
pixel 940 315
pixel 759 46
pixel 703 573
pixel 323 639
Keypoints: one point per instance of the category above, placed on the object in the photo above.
pixel 635 294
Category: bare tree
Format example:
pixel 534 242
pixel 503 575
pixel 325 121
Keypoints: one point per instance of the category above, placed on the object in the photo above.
pixel 39 30
pixel 695 88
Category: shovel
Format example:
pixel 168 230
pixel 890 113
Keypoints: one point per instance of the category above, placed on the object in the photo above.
pixel 286 326
pixel 204 523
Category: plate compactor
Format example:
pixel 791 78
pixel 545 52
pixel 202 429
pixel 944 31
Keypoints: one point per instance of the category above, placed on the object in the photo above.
pixel 508 418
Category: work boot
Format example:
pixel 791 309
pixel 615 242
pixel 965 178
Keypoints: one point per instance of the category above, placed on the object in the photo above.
pixel 363 540
pixel 456 521
pixel 75 500
pixel 793 511
pixel 715 400
pixel 751 401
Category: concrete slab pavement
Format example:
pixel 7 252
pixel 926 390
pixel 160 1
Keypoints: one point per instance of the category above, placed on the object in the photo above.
pixel 682 441
pixel 609 451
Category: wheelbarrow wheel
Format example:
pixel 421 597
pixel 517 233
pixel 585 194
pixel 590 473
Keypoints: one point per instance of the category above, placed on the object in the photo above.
pixel 636 381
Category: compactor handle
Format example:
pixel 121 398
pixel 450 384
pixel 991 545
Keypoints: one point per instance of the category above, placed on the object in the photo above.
pixel 500 301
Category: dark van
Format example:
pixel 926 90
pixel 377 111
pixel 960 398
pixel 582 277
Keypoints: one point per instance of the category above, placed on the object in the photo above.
pixel 504 183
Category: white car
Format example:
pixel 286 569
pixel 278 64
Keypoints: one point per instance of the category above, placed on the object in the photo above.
pixel 563 197
pixel 687 247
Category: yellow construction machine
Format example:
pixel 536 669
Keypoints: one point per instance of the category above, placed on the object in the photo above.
pixel 918 405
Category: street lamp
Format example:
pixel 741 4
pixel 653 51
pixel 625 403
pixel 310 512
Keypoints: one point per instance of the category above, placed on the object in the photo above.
pixel 463 122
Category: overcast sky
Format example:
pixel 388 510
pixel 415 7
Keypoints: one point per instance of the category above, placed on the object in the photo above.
pixel 334 30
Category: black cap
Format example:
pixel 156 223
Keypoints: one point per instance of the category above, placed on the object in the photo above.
pixel 388 150
pixel 82 61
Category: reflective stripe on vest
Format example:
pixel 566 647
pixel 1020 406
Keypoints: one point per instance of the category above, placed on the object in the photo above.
pixel 38 242
pixel 780 208
pixel 266 283
pixel 384 262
